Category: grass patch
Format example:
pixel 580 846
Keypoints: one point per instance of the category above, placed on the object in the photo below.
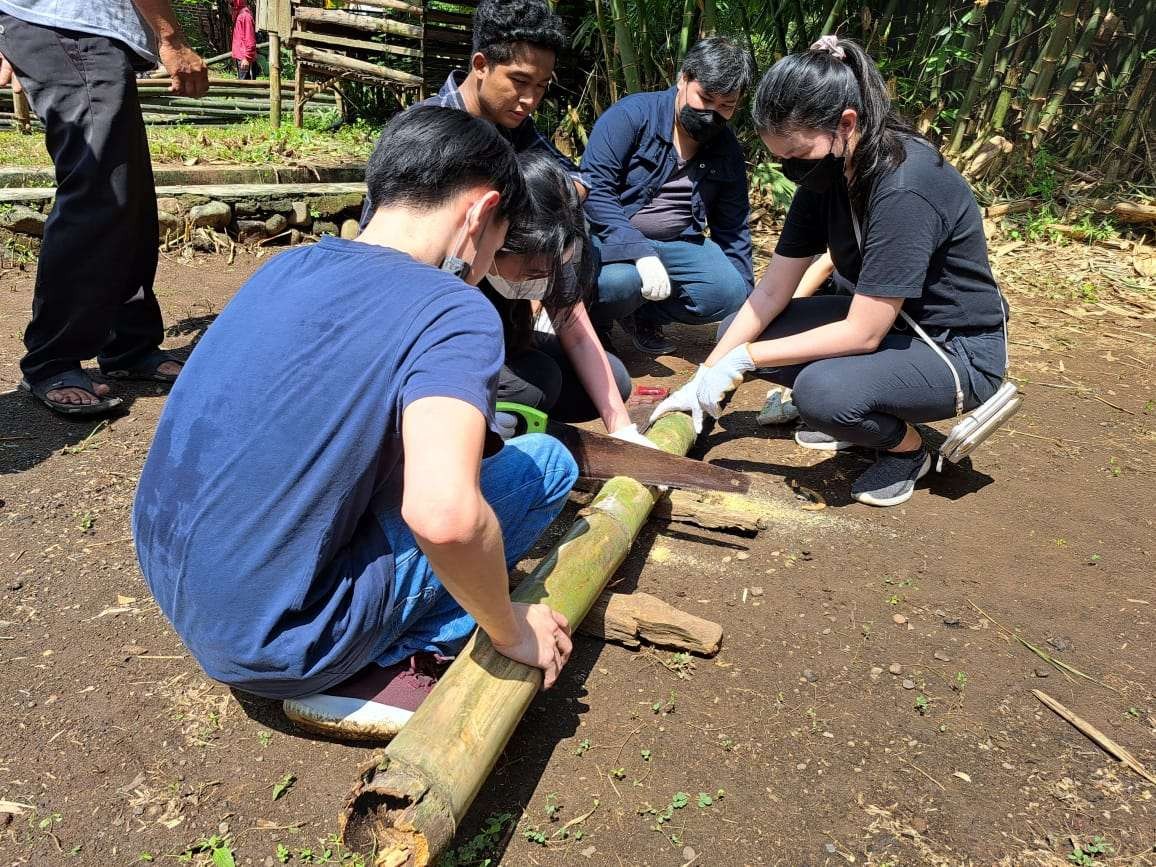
pixel 253 142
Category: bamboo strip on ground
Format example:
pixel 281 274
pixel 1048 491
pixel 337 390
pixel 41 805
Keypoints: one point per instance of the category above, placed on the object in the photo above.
pixel 714 510
pixel 1095 736
pixel 407 802
pixel 630 619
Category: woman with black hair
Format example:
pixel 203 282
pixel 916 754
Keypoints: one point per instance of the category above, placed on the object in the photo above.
pixel 907 242
pixel 539 284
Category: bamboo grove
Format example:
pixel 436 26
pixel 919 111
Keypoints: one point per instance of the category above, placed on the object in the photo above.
pixel 1012 90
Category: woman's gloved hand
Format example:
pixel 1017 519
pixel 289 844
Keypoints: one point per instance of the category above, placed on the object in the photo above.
pixel 630 434
pixel 655 280
pixel 723 377
pixel 684 399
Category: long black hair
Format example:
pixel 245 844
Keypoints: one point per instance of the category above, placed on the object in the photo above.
pixel 545 231
pixel 810 90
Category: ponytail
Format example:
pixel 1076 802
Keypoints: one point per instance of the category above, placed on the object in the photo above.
pixel 811 89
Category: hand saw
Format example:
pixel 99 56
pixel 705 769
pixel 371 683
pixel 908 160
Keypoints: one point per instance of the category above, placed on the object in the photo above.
pixel 603 457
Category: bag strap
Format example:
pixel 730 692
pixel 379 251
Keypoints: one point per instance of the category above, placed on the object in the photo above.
pixel 915 326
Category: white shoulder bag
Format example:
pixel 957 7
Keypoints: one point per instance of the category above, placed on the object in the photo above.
pixel 986 418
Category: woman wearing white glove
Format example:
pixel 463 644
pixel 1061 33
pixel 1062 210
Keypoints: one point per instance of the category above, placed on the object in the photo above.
pixel 543 272
pixel 905 237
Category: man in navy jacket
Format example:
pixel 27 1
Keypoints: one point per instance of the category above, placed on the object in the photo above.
pixel 663 170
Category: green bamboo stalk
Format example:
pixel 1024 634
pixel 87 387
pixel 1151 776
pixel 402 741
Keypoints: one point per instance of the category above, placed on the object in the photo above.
pixel 624 43
pixel 684 32
pixel 1069 72
pixel 1124 126
pixel 884 26
pixel 709 16
pixel 604 39
pixel 409 800
pixel 970 40
pixel 995 41
pixel 1049 59
pixel 803 37
pixel 833 16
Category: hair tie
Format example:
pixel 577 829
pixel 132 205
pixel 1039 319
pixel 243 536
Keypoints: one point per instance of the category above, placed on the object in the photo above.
pixel 830 44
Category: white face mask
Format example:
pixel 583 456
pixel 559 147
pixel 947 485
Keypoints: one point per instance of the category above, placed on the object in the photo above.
pixel 533 289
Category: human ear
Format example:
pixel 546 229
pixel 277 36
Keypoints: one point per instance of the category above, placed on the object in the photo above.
pixel 478 64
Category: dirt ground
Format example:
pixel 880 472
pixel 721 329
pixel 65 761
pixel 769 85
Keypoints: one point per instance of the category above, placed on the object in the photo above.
pixel 796 745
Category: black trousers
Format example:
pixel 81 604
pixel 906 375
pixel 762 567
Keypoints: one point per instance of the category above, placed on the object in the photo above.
pixel 868 399
pixel 94 282
pixel 544 378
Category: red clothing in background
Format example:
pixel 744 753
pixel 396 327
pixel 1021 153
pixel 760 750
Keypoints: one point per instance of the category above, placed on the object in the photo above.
pixel 244 36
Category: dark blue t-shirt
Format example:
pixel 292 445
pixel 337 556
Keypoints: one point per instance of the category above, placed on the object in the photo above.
pixel 255 517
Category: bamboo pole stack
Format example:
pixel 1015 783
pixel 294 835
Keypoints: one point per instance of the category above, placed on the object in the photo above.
pixel 407 804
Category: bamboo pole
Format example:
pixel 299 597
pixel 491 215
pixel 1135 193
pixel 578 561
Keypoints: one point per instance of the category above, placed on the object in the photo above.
pixel 364 68
pixel 611 82
pixel 1049 60
pixel 357 22
pixel 409 800
pixel 624 42
pixel 995 42
pixel 299 95
pixel 833 17
pixel 1068 73
pixel 275 80
pixel 22 111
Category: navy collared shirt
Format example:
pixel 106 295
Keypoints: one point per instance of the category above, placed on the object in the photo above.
pixel 523 137
pixel 631 154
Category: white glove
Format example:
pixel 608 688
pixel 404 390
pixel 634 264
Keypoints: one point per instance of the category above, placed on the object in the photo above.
pixel 505 424
pixel 655 280
pixel 684 399
pixel 630 434
pixel 715 382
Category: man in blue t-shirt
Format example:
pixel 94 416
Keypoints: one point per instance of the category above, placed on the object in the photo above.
pixel 316 516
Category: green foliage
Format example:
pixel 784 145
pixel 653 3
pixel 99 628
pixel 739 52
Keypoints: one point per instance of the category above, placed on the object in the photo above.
pixel 283 785
pixel 481 849
pixel 1088 854
pixel 768 177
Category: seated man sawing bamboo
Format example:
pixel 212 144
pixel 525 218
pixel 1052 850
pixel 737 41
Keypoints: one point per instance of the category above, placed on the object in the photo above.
pixel 318 516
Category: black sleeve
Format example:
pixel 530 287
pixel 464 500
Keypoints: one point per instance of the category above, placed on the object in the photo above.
pixel 805 230
pixel 902 233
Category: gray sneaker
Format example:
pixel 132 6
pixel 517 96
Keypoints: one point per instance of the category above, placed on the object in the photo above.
pixel 891 479
pixel 821 442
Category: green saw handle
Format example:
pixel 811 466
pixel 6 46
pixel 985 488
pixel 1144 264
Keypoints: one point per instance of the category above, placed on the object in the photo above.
pixel 535 419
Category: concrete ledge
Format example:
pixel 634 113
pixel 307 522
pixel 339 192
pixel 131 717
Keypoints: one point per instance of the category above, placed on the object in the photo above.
pixel 22 176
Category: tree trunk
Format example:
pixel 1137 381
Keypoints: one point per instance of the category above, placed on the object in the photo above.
pixel 1046 69
pixel 410 799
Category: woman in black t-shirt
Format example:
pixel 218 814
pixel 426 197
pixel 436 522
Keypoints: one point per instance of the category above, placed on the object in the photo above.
pixel 906 238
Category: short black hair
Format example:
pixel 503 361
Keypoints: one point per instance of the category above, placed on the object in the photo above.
pixel 720 65
pixel 499 25
pixel 427 155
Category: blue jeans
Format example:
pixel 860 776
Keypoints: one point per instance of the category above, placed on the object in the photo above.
pixel 705 286
pixel 526 484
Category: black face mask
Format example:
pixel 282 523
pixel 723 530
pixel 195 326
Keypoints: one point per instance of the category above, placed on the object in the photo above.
pixel 701 124
pixel 816 175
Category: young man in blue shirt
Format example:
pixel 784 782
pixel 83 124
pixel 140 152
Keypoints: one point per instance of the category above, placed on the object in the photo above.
pixel 663 169
pixel 328 531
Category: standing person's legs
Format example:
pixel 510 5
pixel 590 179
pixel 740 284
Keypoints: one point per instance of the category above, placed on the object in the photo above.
pixel 97 260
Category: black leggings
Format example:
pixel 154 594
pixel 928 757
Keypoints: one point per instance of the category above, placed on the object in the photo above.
pixel 868 399
pixel 544 378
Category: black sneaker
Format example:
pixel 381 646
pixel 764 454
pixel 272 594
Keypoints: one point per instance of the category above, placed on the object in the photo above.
pixel 647 337
pixel 891 479
pixel 604 333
